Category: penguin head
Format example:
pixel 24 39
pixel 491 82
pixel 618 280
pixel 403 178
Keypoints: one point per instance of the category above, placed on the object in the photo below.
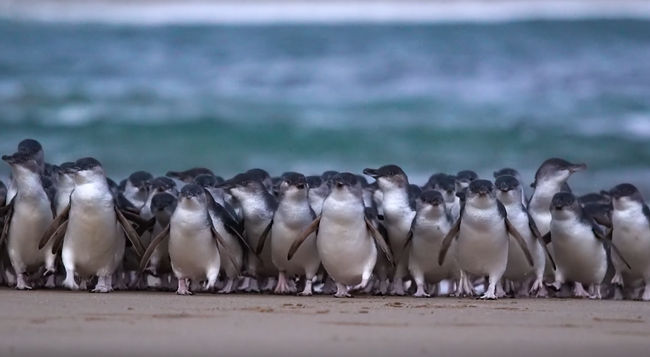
pixel 507 171
pixel 263 176
pixel 480 188
pixel 206 180
pixel 508 189
pixel 464 178
pixel 556 171
pixel 294 185
pixel 243 185
pixel 163 201
pixel 188 176
pixel 389 177
pixel 22 162
pixel 626 195
pixel 163 184
pixel 564 201
pixel 192 195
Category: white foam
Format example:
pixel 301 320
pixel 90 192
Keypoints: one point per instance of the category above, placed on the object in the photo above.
pixel 331 12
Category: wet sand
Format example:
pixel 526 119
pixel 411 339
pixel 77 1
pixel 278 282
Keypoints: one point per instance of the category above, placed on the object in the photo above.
pixel 60 323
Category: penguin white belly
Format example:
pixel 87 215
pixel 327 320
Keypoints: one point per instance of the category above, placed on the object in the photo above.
pixel 425 246
pixel 90 240
pixel 193 252
pixel 482 247
pixel 632 237
pixel 305 258
pixel 29 221
pixel 518 267
pixel 345 251
pixel 578 255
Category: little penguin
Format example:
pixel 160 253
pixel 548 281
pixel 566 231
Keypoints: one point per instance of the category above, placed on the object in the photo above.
pixel 514 173
pixel 483 242
pixel 430 226
pixel 292 217
pixel 399 210
pixel 318 191
pixel 136 188
pixel 579 245
pixel 28 215
pixel 188 176
pixel 258 207
pixel 33 149
pixel 162 207
pixel 90 229
pixel 446 185
pixel 193 241
pixel 464 178
pixel 518 270
pixel 631 234
pixel 345 238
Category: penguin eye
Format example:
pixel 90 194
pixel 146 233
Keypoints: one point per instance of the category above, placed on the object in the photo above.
pixel 390 173
pixel 244 183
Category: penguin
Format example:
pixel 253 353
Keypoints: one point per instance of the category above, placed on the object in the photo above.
pixel 188 176
pixel 293 215
pixel 514 173
pixel 446 185
pixel 33 149
pixel 90 230
pixel 158 185
pixel 464 178
pixel 399 210
pixel 65 179
pixel 28 215
pixel 518 270
pixel 631 234
pixel 483 243
pixel 550 179
pixel 210 183
pixel 346 239
pixel 318 191
pixel 193 241
pixel 431 224
pixel 579 245
pixel 162 207
pixel 263 177
pixel 258 207
pixel 136 188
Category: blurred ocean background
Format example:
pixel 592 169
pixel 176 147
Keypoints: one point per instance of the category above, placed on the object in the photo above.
pixel 430 96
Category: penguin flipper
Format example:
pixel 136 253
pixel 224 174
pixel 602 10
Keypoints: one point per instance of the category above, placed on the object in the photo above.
pixel 379 239
pixel 130 233
pixel 303 236
pixel 152 247
pixel 148 226
pixel 522 243
pixel 9 213
pixel 219 239
pixel 609 244
pixel 446 242
pixel 262 240
pixel 547 238
pixel 54 226
pixel 535 231
pixel 137 219
pixel 58 237
pixel 4 210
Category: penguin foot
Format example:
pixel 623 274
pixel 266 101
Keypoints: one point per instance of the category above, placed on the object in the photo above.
pixel 487 296
pixel 420 293
pixel 343 295
pixel 579 291
pixel 617 280
pixel 182 287
pixel 51 282
pixel 555 286
pixel 21 283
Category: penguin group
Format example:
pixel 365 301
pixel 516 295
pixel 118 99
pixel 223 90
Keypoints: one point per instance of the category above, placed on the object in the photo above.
pixel 70 226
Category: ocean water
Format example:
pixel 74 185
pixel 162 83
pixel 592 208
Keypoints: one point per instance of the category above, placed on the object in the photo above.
pixel 430 97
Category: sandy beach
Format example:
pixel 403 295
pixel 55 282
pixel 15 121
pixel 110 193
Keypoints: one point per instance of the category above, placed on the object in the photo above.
pixel 163 324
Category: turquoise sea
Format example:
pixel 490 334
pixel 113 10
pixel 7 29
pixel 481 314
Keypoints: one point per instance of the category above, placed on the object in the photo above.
pixel 309 98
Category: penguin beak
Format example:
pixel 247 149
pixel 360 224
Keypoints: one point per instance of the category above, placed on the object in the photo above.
pixel 577 167
pixel 371 172
pixel 504 187
pixel 8 159
pixel 226 185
